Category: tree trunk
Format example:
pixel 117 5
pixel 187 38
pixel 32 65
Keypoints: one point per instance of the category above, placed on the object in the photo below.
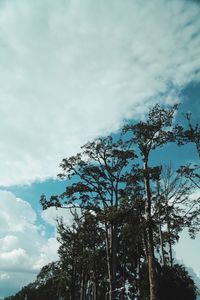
pixel 151 265
pixel 94 273
pixel 94 290
pixel 144 242
pixel 170 253
pixel 162 245
pixel 149 233
pixel 138 289
pixel 169 238
pixel 108 259
pixel 73 289
pixel 82 291
pixel 113 255
pixel 94 283
pixel 111 258
pixel 170 245
pixel 163 261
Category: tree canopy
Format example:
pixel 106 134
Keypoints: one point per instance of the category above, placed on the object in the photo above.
pixel 132 213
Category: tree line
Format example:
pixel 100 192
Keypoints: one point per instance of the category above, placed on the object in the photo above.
pixel 128 214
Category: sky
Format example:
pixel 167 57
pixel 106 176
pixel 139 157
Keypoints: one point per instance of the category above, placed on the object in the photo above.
pixel 73 70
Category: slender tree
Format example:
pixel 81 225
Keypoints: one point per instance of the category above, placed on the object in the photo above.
pixel 149 136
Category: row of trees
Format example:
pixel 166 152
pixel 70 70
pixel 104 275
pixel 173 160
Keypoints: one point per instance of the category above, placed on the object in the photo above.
pixel 131 213
pixel 81 272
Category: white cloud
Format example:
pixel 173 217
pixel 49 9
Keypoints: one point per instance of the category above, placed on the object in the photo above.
pixel 48 253
pixel 24 249
pixel 16 215
pixel 16 258
pixel 187 252
pixel 4 276
pixel 8 242
pixel 52 214
pixel 71 70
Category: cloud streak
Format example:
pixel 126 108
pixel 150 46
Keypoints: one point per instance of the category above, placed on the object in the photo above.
pixel 73 70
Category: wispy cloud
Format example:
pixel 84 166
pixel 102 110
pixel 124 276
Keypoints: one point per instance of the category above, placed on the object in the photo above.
pixel 71 70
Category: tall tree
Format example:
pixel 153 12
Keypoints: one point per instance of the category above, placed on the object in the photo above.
pixel 98 177
pixel 149 136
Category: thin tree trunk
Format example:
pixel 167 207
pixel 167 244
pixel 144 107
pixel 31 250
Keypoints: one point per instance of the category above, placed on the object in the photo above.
pixel 82 291
pixel 169 239
pixel 111 258
pixel 149 233
pixel 113 255
pixel 94 283
pixel 161 245
pixel 108 258
pixel 73 290
pixel 151 265
pixel 170 253
pixel 144 241
pixel 170 245
pixel 94 290
pixel 138 289
pixel 123 281
pixel 163 261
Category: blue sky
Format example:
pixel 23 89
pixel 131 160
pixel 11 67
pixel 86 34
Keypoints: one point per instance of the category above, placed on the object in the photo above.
pixel 72 71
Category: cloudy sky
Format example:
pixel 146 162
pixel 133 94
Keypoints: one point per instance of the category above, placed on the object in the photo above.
pixel 71 70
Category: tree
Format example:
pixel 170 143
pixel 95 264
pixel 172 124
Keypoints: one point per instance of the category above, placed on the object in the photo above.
pixel 98 178
pixel 175 283
pixel 149 136
pixel 82 255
